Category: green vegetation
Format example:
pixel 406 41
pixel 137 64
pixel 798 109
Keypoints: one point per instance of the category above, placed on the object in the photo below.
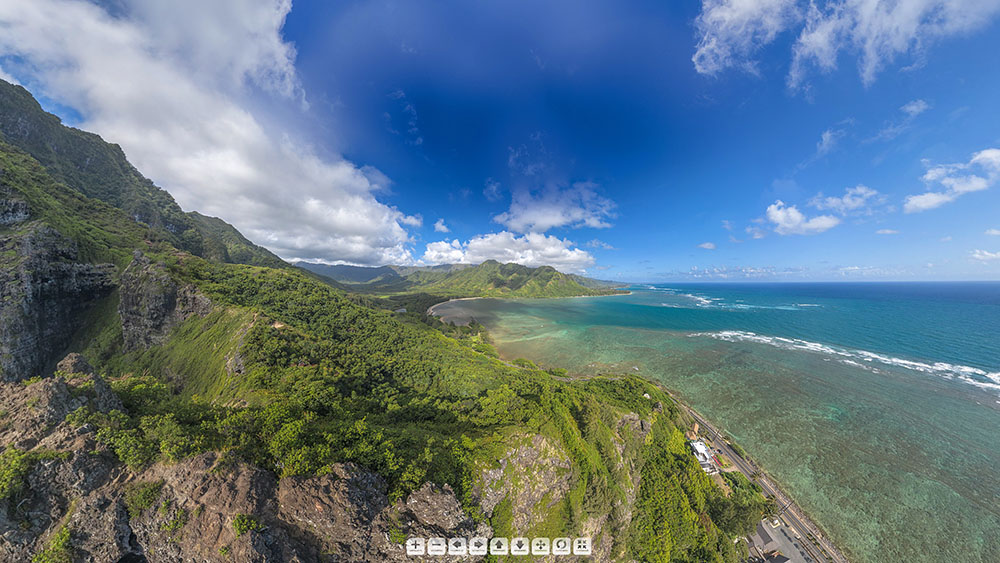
pixel 489 279
pixel 98 170
pixel 140 496
pixel 293 375
pixel 59 550
pixel 243 523
pixel 15 465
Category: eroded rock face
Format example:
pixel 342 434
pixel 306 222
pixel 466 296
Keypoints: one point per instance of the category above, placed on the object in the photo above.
pixel 13 211
pixel 42 291
pixel 74 363
pixel 152 304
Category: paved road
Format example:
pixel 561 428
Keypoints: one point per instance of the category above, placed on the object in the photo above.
pixel 794 520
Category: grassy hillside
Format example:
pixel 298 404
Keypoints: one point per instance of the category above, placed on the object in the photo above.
pixel 293 375
pixel 489 279
pixel 86 163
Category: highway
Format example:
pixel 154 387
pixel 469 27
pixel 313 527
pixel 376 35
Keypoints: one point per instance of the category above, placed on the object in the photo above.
pixel 818 547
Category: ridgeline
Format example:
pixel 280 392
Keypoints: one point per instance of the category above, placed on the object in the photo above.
pixel 214 404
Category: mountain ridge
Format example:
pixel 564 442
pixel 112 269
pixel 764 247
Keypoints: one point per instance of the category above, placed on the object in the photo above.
pixel 488 279
pixel 198 402
pixel 100 170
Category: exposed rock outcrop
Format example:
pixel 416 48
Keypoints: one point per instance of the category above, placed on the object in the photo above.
pixel 74 363
pixel 152 303
pixel 42 292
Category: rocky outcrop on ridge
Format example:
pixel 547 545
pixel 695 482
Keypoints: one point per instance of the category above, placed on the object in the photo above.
pixel 152 303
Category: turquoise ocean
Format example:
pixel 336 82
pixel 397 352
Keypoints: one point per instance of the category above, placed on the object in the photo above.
pixel 875 405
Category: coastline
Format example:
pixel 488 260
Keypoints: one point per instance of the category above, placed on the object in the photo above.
pixel 818 542
pixel 813 537
pixel 430 310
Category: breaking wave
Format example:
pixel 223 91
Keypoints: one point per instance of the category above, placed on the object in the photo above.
pixel 864 359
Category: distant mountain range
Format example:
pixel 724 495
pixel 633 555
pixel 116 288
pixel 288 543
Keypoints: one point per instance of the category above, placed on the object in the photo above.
pixel 489 279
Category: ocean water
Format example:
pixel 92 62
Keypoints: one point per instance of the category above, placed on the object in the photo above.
pixel 876 405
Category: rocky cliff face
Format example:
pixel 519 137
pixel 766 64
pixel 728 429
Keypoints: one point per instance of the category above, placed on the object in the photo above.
pixel 152 303
pixel 75 483
pixel 42 291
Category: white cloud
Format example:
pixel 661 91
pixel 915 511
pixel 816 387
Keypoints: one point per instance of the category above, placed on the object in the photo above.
pixel 707 245
pixel 893 128
pixel 993 232
pixel 755 232
pixel 915 108
pixel 731 31
pixel 177 84
pixel 8 78
pixel 726 224
pixel 985 256
pixel 532 249
pixel 788 220
pixel 595 243
pixel 492 190
pixel 886 232
pixel 578 205
pixel 828 140
pixel 440 227
pixel 413 136
pixel 876 32
pixel 981 172
pixel 856 200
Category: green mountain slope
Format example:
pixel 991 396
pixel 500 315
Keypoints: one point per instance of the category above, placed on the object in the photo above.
pixel 343 273
pixel 489 279
pixel 99 170
pixel 273 369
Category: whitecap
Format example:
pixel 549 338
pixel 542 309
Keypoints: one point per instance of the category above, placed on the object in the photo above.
pixel 863 358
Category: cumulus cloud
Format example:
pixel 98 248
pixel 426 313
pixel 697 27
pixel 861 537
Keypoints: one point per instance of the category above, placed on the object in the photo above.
pixel 788 220
pixel 532 249
pixel 981 172
pixel 856 200
pixel 440 227
pixel 755 232
pixel 993 232
pixel 886 232
pixel 178 85
pixel 984 255
pixel 578 205
pixel 875 32
pixel 707 245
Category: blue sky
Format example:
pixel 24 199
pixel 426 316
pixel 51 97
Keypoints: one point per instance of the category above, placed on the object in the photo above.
pixel 649 141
